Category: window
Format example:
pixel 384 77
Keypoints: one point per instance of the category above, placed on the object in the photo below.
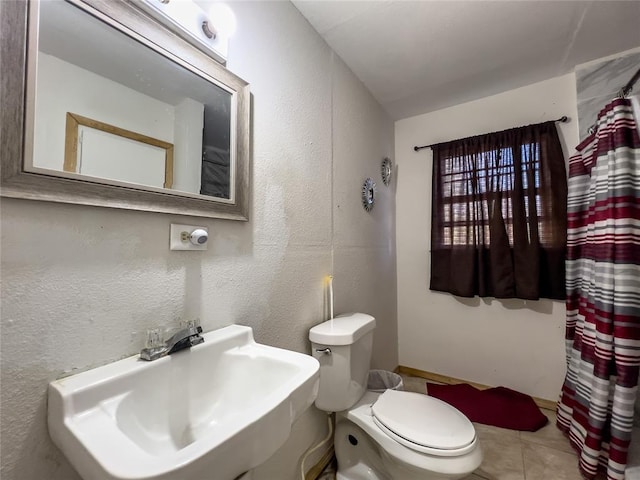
pixel 463 176
pixel 499 214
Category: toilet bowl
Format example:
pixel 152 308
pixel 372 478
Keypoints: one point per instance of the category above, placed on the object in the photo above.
pixel 393 435
pixel 366 450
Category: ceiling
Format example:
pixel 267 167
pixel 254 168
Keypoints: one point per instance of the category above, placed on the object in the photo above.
pixel 420 56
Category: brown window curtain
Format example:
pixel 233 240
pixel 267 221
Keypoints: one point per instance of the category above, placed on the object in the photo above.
pixel 499 215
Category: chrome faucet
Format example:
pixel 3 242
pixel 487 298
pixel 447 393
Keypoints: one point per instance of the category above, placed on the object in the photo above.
pixel 184 338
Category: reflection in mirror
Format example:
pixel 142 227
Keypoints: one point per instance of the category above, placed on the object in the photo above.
pixel 100 150
pixel 137 118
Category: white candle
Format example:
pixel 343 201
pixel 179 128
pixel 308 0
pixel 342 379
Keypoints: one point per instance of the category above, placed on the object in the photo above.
pixel 331 296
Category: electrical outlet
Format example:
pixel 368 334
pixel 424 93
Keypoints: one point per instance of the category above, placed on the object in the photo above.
pixel 188 237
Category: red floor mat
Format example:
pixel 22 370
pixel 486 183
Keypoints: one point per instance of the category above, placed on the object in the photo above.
pixel 500 407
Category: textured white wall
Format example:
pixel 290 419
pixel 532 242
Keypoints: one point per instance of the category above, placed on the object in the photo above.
pixel 513 343
pixel 80 284
pixel 364 244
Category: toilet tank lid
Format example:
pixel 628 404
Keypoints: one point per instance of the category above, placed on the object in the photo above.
pixel 344 329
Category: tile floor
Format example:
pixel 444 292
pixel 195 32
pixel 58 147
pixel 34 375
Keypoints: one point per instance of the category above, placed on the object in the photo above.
pixel 512 455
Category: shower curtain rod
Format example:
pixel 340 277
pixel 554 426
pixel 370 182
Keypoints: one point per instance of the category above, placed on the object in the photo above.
pixel 622 93
pixel 626 90
pixel 563 119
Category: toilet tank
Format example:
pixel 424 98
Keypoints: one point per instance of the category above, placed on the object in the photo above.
pixel 344 367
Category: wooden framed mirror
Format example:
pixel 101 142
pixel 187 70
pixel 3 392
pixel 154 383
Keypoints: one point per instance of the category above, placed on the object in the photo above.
pixel 121 74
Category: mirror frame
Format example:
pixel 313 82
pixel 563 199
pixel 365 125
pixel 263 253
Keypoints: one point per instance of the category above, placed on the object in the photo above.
pixel 15 182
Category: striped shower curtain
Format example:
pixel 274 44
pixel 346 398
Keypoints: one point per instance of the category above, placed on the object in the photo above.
pixel 603 294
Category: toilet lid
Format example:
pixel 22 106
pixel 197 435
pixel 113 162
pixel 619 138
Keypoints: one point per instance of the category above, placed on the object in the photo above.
pixel 423 423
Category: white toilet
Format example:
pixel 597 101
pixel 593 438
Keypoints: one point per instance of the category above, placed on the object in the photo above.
pixel 390 436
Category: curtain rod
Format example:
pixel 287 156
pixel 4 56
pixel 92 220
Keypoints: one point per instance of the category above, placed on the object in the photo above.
pixel 622 93
pixel 626 90
pixel 563 119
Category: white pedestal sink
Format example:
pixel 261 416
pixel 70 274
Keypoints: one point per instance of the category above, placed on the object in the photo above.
pixel 213 411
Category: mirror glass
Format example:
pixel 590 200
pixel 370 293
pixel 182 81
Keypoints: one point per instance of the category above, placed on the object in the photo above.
pixel 109 109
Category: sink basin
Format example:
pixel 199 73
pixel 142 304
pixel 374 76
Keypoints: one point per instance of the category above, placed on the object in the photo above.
pixel 216 410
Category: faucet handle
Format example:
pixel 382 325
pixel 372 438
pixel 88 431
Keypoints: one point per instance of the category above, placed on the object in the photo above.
pixel 155 338
pixel 194 323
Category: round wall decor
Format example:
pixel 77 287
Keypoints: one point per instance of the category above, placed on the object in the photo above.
pixel 368 194
pixel 387 168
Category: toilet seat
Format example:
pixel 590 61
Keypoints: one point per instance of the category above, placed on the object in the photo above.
pixel 423 424
pixel 393 452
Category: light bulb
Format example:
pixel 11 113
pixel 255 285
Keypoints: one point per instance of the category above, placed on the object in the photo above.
pixel 223 18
